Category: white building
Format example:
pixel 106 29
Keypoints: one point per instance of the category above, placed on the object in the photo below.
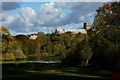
pixel 87 27
pixel 33 36
pixel 75 31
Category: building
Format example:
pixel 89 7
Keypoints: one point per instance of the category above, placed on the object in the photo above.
pixel 86 28
pixel 74 31
pixel 33 36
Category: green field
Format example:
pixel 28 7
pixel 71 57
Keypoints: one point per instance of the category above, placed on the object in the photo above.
pixel 48 75
pixel 23 71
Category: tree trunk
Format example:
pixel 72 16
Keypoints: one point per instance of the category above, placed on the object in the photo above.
pixel 86 62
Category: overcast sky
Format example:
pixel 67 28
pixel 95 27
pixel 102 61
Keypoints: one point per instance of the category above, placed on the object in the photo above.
pixel 30 17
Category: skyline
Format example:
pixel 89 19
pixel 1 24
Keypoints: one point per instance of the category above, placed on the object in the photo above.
pixel 31 17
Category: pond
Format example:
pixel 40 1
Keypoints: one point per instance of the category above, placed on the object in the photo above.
pixel 38 59
pixel 42 58
pixel 51 62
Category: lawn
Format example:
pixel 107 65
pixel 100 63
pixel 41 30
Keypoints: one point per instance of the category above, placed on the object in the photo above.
pixel 23 71
pixel 48 75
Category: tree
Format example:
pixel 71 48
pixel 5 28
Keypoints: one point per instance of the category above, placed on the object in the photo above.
pixel 31 47
pixel 7 40
pixel 80 55
pixel 17 50
pixel 42 38
pixel 48 47
pixel 107 21
pixel 84 51
pixel 21 37
pixel 10 48
pixel 58 47
pixel 105 37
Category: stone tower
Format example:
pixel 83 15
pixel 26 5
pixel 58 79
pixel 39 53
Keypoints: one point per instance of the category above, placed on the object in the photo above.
pixel 87 26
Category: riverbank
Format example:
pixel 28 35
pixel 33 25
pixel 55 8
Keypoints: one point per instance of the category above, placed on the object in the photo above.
pixel 49 57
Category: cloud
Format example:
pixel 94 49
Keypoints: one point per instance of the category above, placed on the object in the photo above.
pixel 28 15
pixel 49 16
pixel 22 22
pixel 51 13
pixel 6 6
pixel 68 4
pixel 79 9
pixel 5 19
pixel 25 21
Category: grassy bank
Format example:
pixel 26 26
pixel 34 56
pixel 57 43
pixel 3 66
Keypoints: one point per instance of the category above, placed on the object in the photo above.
pixel 23 71
pixel 48 75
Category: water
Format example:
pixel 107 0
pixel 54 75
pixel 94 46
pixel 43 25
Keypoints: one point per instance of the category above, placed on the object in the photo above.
pixel 42 58
pixel 38 59
pixel 41 61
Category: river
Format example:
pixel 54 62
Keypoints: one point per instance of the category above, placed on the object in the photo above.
pixel 42 58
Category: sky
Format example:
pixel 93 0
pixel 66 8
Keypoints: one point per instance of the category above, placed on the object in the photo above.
pixel 32 17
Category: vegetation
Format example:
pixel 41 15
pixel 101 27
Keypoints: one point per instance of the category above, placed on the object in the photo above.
pixel 52 71
pixel 11 49
pixel 82 56
pixel 101 47
pixel 29 47
pixel 105 37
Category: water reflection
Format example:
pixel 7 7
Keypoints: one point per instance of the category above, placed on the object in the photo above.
pixel 38 59
pixel 41 61
pixel 42 58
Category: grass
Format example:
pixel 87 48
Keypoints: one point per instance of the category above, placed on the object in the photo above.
pixel 48 75
pixel 51 72
pixel 65 73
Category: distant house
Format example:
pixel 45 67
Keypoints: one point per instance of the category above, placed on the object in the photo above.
pixel 33 36
pixel 86 28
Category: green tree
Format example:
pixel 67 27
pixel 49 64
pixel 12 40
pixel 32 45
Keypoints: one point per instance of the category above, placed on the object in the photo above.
pixel 21 37
pixel 107 22
pixel 7 40
pixel 10 47
pixel 105 35
pixel 17 50
pixel 81 54
pixel 48 47
pixel 42 37
pixel 31 47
